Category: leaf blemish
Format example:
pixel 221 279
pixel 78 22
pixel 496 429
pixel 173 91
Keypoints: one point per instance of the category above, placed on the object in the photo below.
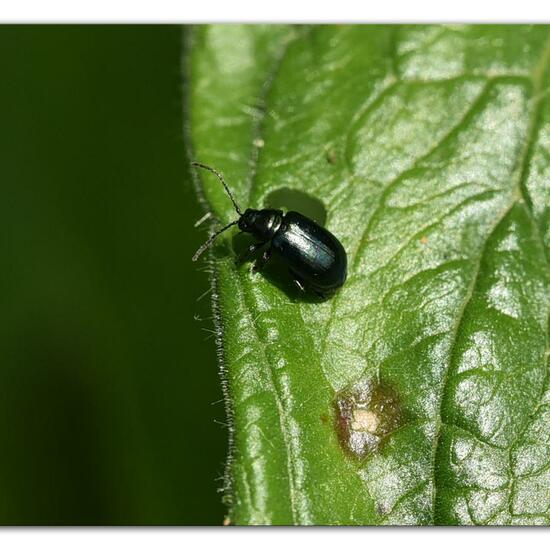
pixel 366 413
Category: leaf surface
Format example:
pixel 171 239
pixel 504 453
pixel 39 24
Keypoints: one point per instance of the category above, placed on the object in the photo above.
pixel 419 393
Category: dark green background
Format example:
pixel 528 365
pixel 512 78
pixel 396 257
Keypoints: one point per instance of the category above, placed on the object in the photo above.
pixel 106 380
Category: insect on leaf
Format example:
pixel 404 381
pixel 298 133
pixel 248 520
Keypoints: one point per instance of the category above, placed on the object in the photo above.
pixel 419 393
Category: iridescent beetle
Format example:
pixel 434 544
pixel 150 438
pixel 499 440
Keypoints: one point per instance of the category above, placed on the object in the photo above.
pixel 316 258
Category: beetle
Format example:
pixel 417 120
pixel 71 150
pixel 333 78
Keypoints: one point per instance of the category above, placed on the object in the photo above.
pixel 315 257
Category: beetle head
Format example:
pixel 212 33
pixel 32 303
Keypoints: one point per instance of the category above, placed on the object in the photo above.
pixel 263 224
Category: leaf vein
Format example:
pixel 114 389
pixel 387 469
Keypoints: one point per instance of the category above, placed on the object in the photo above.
pixel 454 338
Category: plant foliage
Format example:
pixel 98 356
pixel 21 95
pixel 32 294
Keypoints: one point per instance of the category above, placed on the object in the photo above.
pixel 419 393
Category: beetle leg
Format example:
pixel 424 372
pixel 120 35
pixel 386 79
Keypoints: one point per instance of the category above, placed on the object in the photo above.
pixel 248 252
pixel 260 263
pixel 298 283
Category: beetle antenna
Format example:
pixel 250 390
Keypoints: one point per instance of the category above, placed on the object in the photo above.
pixel 198 253
pixel 220 177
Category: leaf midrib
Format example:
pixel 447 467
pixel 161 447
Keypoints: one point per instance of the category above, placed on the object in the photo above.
pixel 257 133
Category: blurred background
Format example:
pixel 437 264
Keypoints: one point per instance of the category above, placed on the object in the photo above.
pixel 109 392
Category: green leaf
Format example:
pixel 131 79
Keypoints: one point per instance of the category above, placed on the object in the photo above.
pixel 419 393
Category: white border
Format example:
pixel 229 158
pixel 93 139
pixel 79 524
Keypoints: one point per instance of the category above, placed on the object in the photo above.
pixel 294 11
pixel 190 11
pixel 229 538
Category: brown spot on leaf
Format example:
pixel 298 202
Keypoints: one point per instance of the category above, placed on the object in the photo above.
pixel 226 521
pixel 366 413
pixel 424 240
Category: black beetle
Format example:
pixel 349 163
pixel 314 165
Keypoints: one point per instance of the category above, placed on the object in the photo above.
pixel 315 257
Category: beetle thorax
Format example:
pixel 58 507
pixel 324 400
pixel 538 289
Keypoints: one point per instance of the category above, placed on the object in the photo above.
pixel 263 224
